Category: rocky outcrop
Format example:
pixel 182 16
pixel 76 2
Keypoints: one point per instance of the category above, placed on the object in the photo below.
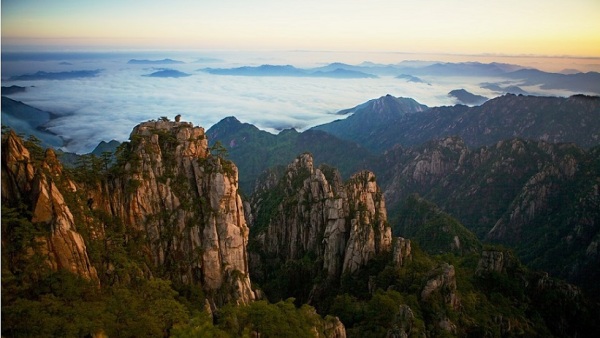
pixel 442 280
pixel 334 328
pixel 415 170
pixel 38 187
pixel 543 282
pixel 492 261
pixel 369 232
pixel 534 199
pixel 17 168
pixel 311 211
pixel 401 252
pixel 403 323
pixel 186 203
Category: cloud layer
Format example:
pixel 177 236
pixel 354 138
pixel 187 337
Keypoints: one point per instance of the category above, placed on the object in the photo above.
pixel 110 104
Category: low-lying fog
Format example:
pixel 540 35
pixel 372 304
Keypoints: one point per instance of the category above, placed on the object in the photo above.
pixel 110 104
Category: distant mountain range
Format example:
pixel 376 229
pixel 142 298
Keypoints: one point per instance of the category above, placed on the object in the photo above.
pixel 13 90
pixel 579 82
pixel 410 78
pixel 287 70
pixel 74 74
pixel 503 89
pixel 414 71
pixel 154 62
pixel 553 119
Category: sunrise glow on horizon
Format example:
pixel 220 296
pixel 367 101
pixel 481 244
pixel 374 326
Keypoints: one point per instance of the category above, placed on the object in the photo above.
pixel 435 26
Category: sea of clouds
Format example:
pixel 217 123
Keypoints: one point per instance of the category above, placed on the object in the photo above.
pixel 109 105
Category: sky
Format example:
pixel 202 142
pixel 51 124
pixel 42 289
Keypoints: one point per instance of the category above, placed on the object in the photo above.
pixel 549 35
pixel 507 27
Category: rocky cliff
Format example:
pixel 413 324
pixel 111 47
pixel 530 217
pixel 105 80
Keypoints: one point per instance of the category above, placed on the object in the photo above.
pixel 185 203
pixel 311 212
pixel 33 186
pixel 167 201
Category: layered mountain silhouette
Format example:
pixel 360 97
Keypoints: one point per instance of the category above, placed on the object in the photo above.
pixel 419 71
pixel 287 70
pixel 68 75
pixel 553 119
pixel 154 62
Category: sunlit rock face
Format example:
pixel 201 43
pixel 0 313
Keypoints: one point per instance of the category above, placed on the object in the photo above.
pixel 165 188
pixel 186 203
pixel 310 211
pixel 35 187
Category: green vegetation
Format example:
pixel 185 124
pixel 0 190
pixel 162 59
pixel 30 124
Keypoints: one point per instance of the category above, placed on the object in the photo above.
pixel 434 230
pixel 258 319
pixel 255 151
pixel 135 298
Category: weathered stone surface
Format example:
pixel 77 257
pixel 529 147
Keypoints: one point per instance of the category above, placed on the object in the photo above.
pixel 186 202
pixel 401 252
pixel 334 328
pixel 344 224
pixel 492 261
pixel 369 232
pixel 403 323
pixel 442 280
pixel 17 168
pixel 63 246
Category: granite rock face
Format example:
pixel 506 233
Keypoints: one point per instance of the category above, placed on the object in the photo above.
pixel 165 189
pixel 186 203
pixel 311 211
pixel 37 187
pixel 401 251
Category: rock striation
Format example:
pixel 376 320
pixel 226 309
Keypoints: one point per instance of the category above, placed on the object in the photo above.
pixel 310 211
pixel 401 252
pixel 166 196
pixel 37 188
pixel 186 204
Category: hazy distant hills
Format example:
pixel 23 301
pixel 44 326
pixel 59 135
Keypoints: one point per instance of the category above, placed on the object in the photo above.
pixel 410 78
pixel 503 89
pixel 168 73
pixel 28 120
pixel 579 82
pixel 288 70
pixel 154 62
pixel 414 71
pixel 74 74
pixel 13 90
pixel 465 97
pixel 574 119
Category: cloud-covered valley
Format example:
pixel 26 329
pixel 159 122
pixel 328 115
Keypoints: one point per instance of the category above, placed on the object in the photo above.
pixel 108 105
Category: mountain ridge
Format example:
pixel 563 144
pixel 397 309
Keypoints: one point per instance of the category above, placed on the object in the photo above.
pixel 572 119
